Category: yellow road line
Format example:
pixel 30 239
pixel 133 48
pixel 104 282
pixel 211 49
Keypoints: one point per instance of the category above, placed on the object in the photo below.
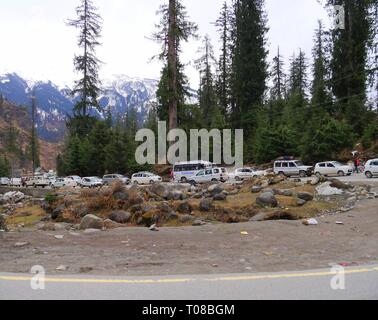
pixel 185 280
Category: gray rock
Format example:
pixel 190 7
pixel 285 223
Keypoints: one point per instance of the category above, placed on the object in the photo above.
pixel 220 197
pixel 110 224
pixel 256 189
pixel 186 218
pixel 206 205
pixel 284 192
pixel 340 185
pixel 306 196
pixel 90 221
pixel 120 216
pixel 184 207
pixel 57 211
pixel 301 202
pixel 121 195
pixel 267 199
pixel 175 195
pixel 215 189
pixel 198 223
pixel 258 217
pixel 154 228
pixel 21 244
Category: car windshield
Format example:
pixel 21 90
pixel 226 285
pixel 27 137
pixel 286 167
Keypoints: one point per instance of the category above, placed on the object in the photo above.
pixel 337 164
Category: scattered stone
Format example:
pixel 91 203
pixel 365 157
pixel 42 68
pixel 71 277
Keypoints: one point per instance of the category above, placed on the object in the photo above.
pixel 325 190
pixel 186 218
pixel 184 207
pixel 59 237
pixel 21 244
pixel 120 216
pixel 301 202
pixel 259 217
pixel 256 189
pixel 198 223
pixel 215 189
pixel 340 185
pixel 154 228
pixel 206 205
pixel 62 268
pixel 110 224
pixel 90 231
pixel 267 199
pixel 121 195
pixel 85 269
pixel 90 221
pixel 310 222
pixel 175 195
pixel 339 222
pixel 220 197
pixel 283 192
pixel 306 196
pixel 58 211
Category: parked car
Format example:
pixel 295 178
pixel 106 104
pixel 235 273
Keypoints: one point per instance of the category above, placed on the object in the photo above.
pixel 110 178
pixel 210 175
pixel 91 182
pixel 292 168
pixel 145 178
pixel 4 181
pixel 371 168
pixel 37 181
pixel 247 173
pixel 16 182
pixel 64 182
pixel 77 179
pixel 332 168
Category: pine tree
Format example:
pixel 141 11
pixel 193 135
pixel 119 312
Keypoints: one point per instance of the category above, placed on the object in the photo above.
pixel 249 66
pixel 349 60
pixel 223 25
pixel 34 145
pixel 277 91
pixel 88 87
pixel 206 92
pixel 174 28
pixel 319 90
pixel 4 167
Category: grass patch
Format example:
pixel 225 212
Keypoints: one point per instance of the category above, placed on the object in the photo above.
pixel 34 215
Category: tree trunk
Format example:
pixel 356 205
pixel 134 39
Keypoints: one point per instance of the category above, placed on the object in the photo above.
pixel 172 65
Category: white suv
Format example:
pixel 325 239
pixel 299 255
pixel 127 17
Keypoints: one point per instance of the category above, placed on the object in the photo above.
pixel 332 168
pixel 210 175
pixel 371 168
pixel 91 182
pixel 37 181
pixel 292 168
pixel 4 182
pixel 64 182
pixel 145 178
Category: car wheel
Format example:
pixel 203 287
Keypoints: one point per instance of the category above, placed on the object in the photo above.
pixel 281 173
pixel 214 180
pixel 152 182
pixel 184 180
pixel 318 174
pixel 302 174
pixel 192 182
pixel 237 178
pixel 369 175
pixel 341 173
pixel 136 183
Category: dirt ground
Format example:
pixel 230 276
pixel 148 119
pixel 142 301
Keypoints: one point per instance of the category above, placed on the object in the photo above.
pixel 218 248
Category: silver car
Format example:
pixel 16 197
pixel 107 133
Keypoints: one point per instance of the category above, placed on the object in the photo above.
pixel 108 179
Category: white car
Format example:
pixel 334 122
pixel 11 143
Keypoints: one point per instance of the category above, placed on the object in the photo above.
pixel 332 168
pixel 37 181
pixel 371 168
pixel 4 181
pixel 91 182
pixel 292 168
pixel 16 182
pixel 64 182
pixel 145 178
pixel 247 173
pixel 110 178
pixel 210 175
pixel 77 179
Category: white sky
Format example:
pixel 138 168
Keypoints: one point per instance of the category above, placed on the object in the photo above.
pixel 36 43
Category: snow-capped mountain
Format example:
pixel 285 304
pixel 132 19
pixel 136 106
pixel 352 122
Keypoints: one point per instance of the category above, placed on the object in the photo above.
pixel 54 104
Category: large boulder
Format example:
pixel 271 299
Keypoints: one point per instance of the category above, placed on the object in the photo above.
pixel 206 205
pixel 335 183
pixel 13 197
pixel 306 196
pixel 325 190
pixel 110 224
pixel 120 216
pixel 256 189
pixel 267 199
pixel 184 207
pixel 220 197
pixel 90 221
pixel 58 211
pixel 187 218
pixel 215 189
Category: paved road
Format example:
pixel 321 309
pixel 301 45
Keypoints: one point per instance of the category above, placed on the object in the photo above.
pixel 360 283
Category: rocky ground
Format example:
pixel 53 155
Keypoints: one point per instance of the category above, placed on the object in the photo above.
pixel 267 224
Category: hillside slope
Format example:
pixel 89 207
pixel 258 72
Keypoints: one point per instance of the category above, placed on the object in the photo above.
pixel 15 129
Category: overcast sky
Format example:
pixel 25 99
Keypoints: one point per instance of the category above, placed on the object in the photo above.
pixel 36 43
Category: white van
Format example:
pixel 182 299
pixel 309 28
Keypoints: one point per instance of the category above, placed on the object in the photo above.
pixel 37 181
pixel 182 171
pixel 371 168
pixel 292 168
